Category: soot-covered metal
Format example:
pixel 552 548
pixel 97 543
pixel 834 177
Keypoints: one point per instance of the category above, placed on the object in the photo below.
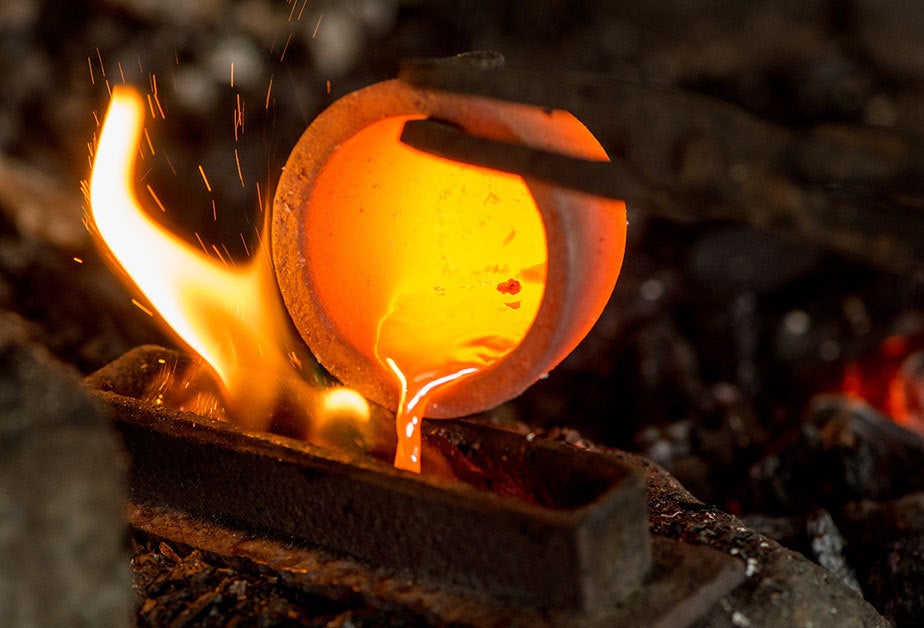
pixel 575 539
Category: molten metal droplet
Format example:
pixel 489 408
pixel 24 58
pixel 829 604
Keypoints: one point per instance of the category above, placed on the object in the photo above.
pixel 398 267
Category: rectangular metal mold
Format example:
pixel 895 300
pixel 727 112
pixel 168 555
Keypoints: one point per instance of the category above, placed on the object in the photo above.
pixel 582 546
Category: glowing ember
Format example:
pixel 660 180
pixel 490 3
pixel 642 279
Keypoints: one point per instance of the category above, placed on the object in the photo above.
pixel 891 379
pixel 231 316
pixel 456 292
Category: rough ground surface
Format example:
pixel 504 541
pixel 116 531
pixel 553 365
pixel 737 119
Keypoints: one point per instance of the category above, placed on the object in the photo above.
pixel 177 583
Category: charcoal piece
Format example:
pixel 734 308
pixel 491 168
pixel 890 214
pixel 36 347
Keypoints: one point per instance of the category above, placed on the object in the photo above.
pixel 788 531
pixel 62 560
pixel 886 546
pixel 815 536
pixel 827 547
pixel 782 588
pixel 845 451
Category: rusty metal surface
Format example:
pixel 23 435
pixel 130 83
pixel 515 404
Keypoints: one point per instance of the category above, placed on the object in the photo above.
pixel 685 581
pixel 579 543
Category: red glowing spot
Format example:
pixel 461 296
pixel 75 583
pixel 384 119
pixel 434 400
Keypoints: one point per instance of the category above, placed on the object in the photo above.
pixel 889 379
pixel 511 286
pixel 513 305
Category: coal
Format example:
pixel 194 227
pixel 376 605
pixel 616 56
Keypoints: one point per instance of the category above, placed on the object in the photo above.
pixel 886 545
pixel 845 451
pixel 815 535
pixel 781 588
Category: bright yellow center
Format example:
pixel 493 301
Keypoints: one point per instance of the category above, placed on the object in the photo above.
pixel 432 269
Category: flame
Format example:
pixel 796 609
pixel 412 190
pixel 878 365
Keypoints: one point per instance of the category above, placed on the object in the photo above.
pixel 343 402
pixel 231 316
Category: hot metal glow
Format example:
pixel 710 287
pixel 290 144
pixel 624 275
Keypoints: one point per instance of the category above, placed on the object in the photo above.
pixel 441 267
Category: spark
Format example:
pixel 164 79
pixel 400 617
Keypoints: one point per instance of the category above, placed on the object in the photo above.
pixel 202 244
pixel 92 78
pixel 156 200
pixel 121 72
pixel 169 163
pixel 102 68
pixel 244 242
pixel 285 48
pixel 240 175
pixel 269 90
pixel 156 96
pixel 108 88
pixel 317 26
pixel 78 260
pixel 224 248
pixel 220 256
pixel 292 12
pixel 140 67
pixel 141 307
pixel 151 105
pixel 96 119
pixel 305 4
pixel 232 74
pixel 238 117
pixel 293 359
pixel 214 211
pixel 150 144
pixel 204 178
pixel 328 85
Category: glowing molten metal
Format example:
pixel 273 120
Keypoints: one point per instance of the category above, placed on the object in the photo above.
pixel 434 287
pixel 440 267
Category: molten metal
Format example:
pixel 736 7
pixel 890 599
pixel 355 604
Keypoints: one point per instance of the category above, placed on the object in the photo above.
pixel 431 286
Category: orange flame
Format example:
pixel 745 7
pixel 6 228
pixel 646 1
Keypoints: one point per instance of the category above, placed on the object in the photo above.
pixel 231 316
pixel 891 379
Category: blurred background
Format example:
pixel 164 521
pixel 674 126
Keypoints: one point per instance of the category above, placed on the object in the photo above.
pixel 720 331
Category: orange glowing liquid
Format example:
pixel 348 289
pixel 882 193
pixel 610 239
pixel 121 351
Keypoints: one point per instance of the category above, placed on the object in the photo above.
pixel 441 267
